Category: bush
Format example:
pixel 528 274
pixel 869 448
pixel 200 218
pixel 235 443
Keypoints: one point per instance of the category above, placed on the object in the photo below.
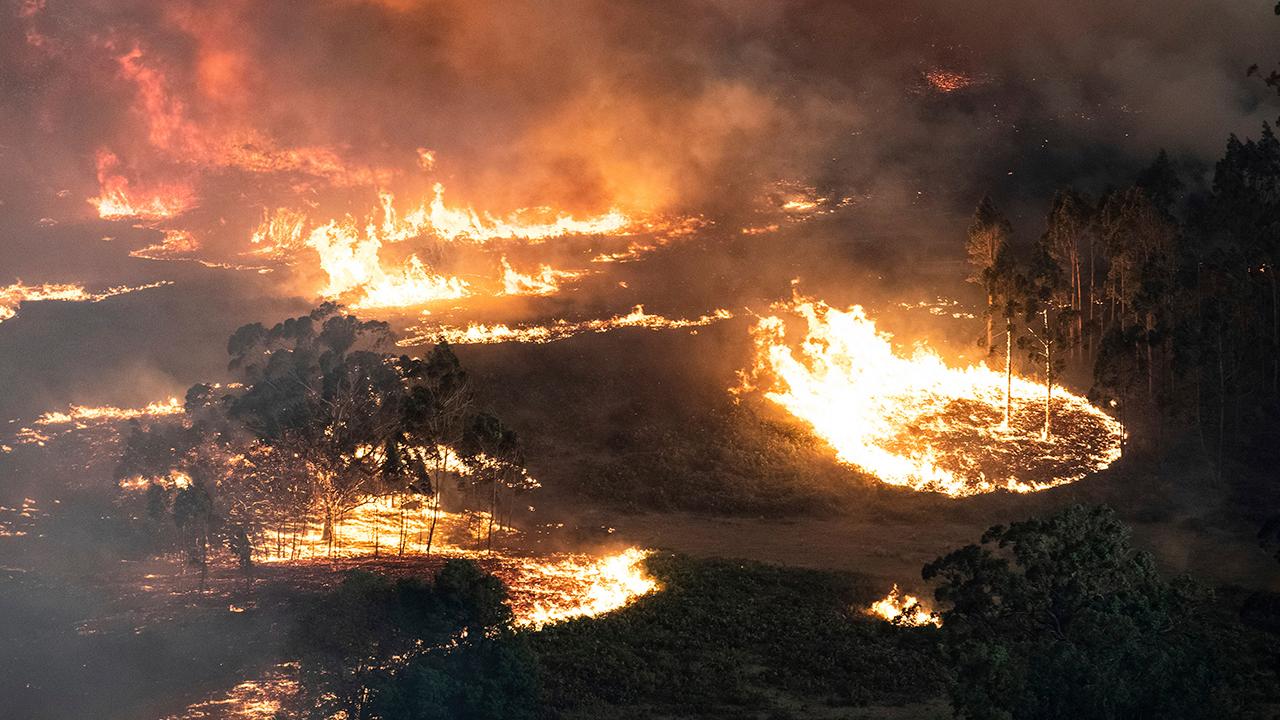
pixel 1067 620
pixel 723 634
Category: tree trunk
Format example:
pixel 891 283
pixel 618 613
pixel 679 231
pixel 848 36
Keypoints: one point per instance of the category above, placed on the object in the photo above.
pixel 1048 376
pixel 435 516
pixel 990 338
pixel 493 509
pixel 1008 370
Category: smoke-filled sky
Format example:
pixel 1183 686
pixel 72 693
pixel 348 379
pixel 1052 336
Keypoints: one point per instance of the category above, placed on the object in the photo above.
pixel 699 118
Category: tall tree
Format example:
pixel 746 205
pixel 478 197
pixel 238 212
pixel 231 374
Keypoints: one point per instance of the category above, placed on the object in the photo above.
pixel 989 232
pixel 1069 240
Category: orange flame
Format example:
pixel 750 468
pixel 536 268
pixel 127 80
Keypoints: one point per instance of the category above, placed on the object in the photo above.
pixel 480 334
pixel 903 610
pixel 915 422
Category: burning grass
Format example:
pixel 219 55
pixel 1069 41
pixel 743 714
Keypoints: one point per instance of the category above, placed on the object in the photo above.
pixel 913 421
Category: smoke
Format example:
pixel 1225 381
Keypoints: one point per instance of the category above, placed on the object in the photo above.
pixel 909 111
pixel 586 104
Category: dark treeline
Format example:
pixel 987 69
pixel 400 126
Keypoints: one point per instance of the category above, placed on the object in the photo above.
pixel 319 422
pixel 1166 298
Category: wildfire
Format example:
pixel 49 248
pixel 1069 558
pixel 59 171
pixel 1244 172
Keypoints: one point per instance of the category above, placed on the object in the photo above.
pixel 351 252
pixel 903 610
pixel 544 589
pixel 577 585
pixel 480 334
pixel 12 297
pixel 81 414
pixel 545 282
pixel 354 268
pixel 913 421
pixel 118 199
pixel 458 223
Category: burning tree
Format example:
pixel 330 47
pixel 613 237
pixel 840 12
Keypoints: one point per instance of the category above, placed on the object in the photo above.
pixel 319 423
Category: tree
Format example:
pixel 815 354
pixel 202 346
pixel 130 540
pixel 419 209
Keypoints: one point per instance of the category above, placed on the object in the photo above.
pixel 1048 319
pixel 1069 241
pixel 988 234
pixel 1009 290
pixel 496 460
pixel 439 402
pixel 320 422
pixel 375 647
pixel 1063 618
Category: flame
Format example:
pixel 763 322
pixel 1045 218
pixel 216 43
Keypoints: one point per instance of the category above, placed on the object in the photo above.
pixel 915 422
pixel 351 251
pixel 352 263
pixel 80 414
pixel 581 586
pixel 545 282
pixel 12 297
pixel 118 199
pixel 174 244
pixel 458 223
pixel 280 233
pixel 480 334
pixel 545 589
pixel 903 610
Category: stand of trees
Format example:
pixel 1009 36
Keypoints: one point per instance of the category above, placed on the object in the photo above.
pixel 1168 298
pixel 319 422
pixel 1062 617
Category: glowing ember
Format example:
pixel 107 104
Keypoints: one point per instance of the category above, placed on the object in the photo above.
pixel 12 297
pixel 478 334
pixel 947 81
pixel 250 700
pixel 915 422
pixel 903 610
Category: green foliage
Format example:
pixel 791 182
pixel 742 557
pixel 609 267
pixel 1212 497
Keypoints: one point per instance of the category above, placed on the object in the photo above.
pixel 1065 619
pixel 724 635
pixel 377 647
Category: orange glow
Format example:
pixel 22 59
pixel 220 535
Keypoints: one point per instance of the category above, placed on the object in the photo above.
pixel 79 414
pixel 12 297
pixel 545 589
pixel 545 282
pixel 479 334
pixel 910 420
pixel 903 610
pixel 946 81
pixel 117 198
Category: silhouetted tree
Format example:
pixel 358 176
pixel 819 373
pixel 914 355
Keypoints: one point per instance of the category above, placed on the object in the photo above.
pixel 1063 618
